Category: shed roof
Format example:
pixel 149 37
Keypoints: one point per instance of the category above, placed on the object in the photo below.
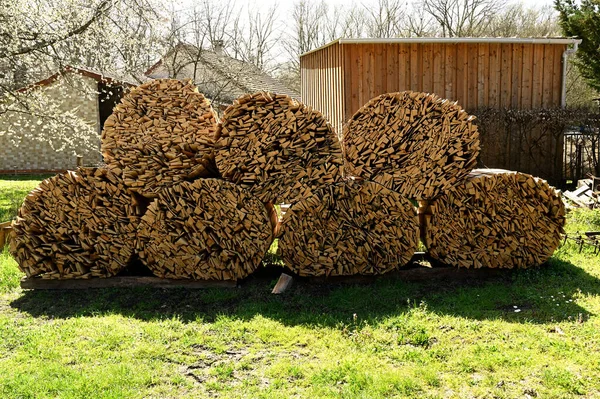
pixel 449 40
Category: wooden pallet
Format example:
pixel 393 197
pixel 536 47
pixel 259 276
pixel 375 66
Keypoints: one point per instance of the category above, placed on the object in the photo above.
pixel 39 283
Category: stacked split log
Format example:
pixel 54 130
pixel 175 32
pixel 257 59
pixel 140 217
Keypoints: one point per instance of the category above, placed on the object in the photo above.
pixel 163 142
pixel 352 227
pixel 207 230
pixel 496 219
pixel 278 149
pixel 417 144
pixel 161 133
pixel 76 225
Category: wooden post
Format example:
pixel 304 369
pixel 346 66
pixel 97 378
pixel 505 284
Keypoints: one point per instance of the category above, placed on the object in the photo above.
pixel 5 229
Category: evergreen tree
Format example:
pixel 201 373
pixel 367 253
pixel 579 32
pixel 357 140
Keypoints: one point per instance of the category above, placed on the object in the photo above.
pixel 582 19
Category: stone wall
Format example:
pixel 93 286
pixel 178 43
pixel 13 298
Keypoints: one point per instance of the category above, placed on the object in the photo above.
pixel 31 143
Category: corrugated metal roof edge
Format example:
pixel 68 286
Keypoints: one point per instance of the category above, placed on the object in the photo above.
pixel 523 40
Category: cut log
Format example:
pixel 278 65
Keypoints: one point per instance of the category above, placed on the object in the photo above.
pixel 352 227
pixel 77 224
pixel 5 233
pixel 284 282
pixel 278 149
pixel 414 143
pixel 497 219
pixel 161 133
pixel 209 229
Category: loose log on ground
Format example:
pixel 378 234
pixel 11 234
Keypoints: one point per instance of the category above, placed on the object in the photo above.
pixel 352 227
pixel 78 224
pixel 277 148
pixel 415 143
pixel 497 219
pixel 205 230
pixel 161 133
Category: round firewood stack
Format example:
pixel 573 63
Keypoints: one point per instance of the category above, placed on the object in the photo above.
pixel 77 224
pixel 208 229
pixel 161 133
pixel 278 149
pixel 414 143
pixel 496 219
pixel 352 227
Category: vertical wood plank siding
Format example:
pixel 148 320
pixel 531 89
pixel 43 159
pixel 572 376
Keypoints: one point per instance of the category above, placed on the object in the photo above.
pixel 340 78
pixel 322 82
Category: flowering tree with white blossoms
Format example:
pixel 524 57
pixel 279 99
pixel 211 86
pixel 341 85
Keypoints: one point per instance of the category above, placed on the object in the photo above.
pixel 38 38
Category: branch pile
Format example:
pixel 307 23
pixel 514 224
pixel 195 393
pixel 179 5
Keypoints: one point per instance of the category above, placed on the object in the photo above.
pixel 78 224
pixel 497 219
pixel 417 144
pixel 161 133
pixel 207 230
pixel 352 227
pixel 278 149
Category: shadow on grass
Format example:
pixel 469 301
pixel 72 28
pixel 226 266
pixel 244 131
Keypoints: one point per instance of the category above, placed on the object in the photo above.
pixel 543 295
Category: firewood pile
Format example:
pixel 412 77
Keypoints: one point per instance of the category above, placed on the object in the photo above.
pixel 77 224
pixel 192 198
pixel 495 219
pixel 414 143
pixel 352 227
pixel 277 148
pixel 208 229
pixel 161 133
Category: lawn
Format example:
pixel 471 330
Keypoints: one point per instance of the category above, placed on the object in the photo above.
pixel 12 191
pixel 530 333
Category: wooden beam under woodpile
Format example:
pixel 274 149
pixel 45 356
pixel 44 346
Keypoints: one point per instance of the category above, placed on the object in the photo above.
pixel 77 224
pixel 352 227
pixel 497 219
pixel 277 148
pixel 208 229
pixel 414 143
pixel 161 133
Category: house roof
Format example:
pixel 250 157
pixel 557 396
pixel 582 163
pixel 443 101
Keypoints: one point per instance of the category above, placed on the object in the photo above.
pixel 80 71
pixel 231 77
pixel 425 40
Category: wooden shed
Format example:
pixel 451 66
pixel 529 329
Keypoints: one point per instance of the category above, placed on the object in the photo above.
pixel 479 73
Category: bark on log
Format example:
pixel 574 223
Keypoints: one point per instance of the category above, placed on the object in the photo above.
pixel 208 229
pixel 414 143
pixel 352 227
pixel 278 149
pixel 78 224
pixel 161 133
pixel 497 219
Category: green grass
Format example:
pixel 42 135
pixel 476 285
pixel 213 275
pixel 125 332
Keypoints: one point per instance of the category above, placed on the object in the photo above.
pixel 529 333
pixel 13 190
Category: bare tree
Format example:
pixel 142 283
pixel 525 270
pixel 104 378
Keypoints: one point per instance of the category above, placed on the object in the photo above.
pixel 387 19
pixel 220 49
pixel 420 23
pixel 254 41
pixel 463 18
pixel 308 21
pixel 516 20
